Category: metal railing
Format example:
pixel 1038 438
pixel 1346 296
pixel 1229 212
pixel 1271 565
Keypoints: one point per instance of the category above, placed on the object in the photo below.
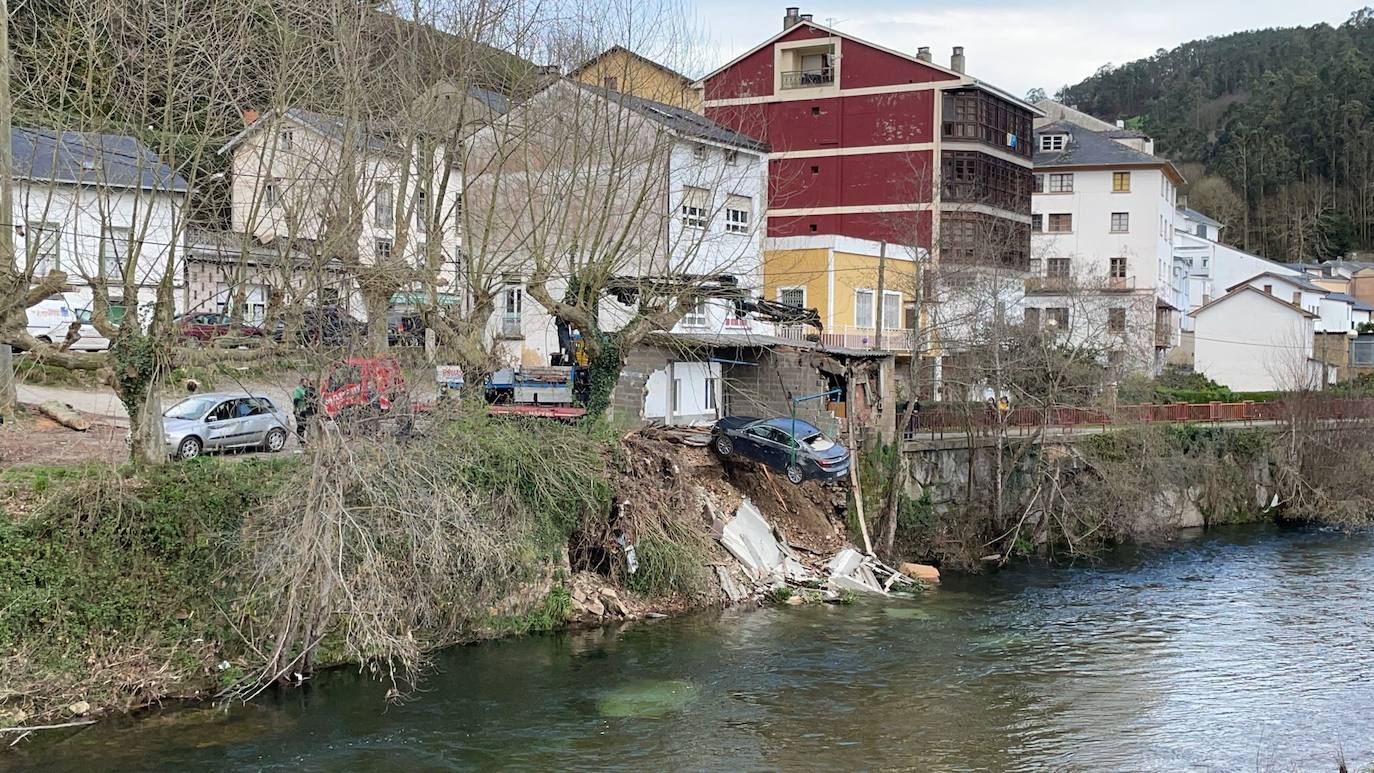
pixel 863 339
pixel 804 79
pixel 980 419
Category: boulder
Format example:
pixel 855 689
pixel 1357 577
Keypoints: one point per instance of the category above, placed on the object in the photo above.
pixel 80 708
pixel 922 572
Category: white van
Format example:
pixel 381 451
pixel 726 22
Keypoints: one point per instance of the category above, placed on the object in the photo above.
pixel 48 314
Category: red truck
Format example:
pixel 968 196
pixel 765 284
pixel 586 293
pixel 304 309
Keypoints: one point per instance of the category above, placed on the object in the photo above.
pixel 362 384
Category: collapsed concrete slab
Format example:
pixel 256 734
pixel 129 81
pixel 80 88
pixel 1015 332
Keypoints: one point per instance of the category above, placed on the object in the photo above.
pixel 766 559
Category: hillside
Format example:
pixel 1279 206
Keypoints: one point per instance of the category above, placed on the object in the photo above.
pixel 1273 127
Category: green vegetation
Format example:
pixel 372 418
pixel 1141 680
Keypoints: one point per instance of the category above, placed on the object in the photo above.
pixel 1183 385
pixel 550 614
pixel 1277 123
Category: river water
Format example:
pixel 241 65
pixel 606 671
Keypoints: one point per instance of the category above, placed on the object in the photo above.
pixel 1246 650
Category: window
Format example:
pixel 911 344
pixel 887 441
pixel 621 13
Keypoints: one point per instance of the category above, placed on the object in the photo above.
pixel 285 140
pixel 1297 297
pixel 383 250
pixel 1121 222
pixel 677 395
pixel 815 169
pixel 910 315
pixel 384 206
pixel 1057 317
pixel 1032 318
pixel 792 296
pixel 1269 289
pixel 1057 268
pixel 1061 224
pixel 114 250
pixel 1201 230
pixel 1039 184
pixel 738 212
pixel 731 157
pixel 1121 182
pixel 699 152
pixel 1037 223
pixel 972 115
pixel 892 310
pixel 421 211
pixel 1052 143
pixel 1117 268
pixel 512 306
pixel 696 316
pixel 863 308
pixel 1061 183
pixel 610 83
pixel 44 240
pixel 695 203
pixel 1116 321
pixel 711 385
pixel 269 195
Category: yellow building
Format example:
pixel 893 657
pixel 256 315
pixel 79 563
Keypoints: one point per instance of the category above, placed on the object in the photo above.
pixel 839 277
pixel 620 69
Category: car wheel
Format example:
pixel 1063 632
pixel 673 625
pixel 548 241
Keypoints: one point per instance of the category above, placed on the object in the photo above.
pixel 190 448
pixel 794 474
pixel 724 445
pixel 276 440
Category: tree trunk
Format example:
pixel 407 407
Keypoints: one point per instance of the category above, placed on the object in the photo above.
pixel 139 367
pixel 8 398
pixel 377 301
pixel 603 371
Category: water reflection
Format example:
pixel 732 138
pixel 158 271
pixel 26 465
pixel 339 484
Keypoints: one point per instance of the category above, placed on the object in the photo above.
pixel 1239 651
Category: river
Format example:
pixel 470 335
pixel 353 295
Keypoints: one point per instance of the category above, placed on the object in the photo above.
pixel 1243 650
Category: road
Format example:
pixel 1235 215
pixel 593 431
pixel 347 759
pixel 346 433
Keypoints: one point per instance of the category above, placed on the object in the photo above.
pixel 101 401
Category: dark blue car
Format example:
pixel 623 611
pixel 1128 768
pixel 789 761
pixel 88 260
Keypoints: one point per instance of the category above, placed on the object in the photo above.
pixel 792 446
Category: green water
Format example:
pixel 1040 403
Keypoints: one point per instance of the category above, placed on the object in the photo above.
pixel 1249 650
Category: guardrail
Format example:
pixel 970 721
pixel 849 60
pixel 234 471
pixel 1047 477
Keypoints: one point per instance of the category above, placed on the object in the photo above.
pixel 982 419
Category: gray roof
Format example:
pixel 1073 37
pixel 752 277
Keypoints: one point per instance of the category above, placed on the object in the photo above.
pixel 88 158
pixel 1350 299
pixel 497 103
pixel 685 122
pixel 331 126
pixel 1198 217
pixel 1298 281
pixel 1086 147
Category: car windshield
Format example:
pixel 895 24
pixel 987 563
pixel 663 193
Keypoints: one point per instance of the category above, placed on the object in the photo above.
pixel 83 315
pixel 190 408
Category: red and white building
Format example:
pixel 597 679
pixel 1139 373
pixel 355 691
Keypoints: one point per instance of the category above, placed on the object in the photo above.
pixel 876 144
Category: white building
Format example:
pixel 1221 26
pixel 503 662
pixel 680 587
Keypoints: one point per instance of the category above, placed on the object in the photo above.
pixel 97 207
pixel 1102 228
pixel 1252 339
pixel 704 220
pixel 289 180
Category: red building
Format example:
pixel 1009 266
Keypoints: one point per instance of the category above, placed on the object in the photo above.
pixel 876 144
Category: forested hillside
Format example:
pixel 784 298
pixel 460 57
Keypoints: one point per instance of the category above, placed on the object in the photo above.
pixel 1274 128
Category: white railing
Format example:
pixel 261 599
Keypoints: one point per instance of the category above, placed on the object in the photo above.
pixel 864 339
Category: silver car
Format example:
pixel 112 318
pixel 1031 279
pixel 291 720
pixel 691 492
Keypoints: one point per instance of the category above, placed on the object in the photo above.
pixel 215 422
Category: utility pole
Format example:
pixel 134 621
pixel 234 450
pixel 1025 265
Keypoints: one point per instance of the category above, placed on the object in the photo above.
pixel 882 292
pixel 7 391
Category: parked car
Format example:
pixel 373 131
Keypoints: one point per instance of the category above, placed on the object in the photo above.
pixel 325 326
pixel 89 340
pixel 216 422
pixel 792 446
pixel 404 328
pixel 205 326
pixel 362 385
pixel 48 314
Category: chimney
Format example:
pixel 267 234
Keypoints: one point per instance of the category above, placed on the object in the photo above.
pixel 1120 124
pixel 250 116
pixel 923 53
pixel 791 18
pixel 806 17
pixel 957 62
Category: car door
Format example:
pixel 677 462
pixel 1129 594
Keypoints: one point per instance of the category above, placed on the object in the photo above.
pixel 223 425
pixel 259 422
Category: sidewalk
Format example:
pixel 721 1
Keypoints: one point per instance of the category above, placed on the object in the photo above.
pixel 101 401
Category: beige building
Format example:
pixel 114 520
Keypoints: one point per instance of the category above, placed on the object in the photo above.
pixel 620 69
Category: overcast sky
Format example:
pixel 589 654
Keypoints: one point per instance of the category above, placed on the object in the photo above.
pixel 1015 44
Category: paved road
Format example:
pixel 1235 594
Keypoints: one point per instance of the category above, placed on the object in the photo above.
pixel 101 401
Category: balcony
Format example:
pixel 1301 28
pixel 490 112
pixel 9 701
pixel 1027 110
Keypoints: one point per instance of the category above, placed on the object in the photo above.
pixel 1119 284
pixel 1164 334
pixel 1048 284
pixel 807 79
pixel 862 339
pixel 511 327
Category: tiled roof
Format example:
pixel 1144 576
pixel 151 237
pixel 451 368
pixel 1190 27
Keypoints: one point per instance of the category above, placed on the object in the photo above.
pixel 1085 147
pixel 684 121
pixel 89 158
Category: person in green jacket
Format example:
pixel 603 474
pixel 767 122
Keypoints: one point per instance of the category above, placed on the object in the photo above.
pixel 304 403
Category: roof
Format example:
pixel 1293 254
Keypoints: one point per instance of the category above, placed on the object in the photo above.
pixel 621 49
pixel 1086 147
pixel 1350 299
pixel 331 126
pixel 963 78
pixel 495 102
pixel 1248 289
pixel 90 158
pixel 683 121
pixel 1198 217
pixel 752 341
pixel 1296 281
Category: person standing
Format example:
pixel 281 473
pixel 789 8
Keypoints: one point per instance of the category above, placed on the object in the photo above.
pixel 304 402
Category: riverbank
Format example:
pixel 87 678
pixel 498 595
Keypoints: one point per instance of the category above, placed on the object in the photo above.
pixel 1226 650
pixel 120 588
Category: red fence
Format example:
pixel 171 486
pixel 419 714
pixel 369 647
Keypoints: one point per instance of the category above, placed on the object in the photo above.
pixel 982 419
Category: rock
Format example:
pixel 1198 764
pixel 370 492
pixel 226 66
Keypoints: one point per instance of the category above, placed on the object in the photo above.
pixel 596 608
pixel 795 600
pixel 922 572
pixel 619 607
pixel 608 593
pixel 80 708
